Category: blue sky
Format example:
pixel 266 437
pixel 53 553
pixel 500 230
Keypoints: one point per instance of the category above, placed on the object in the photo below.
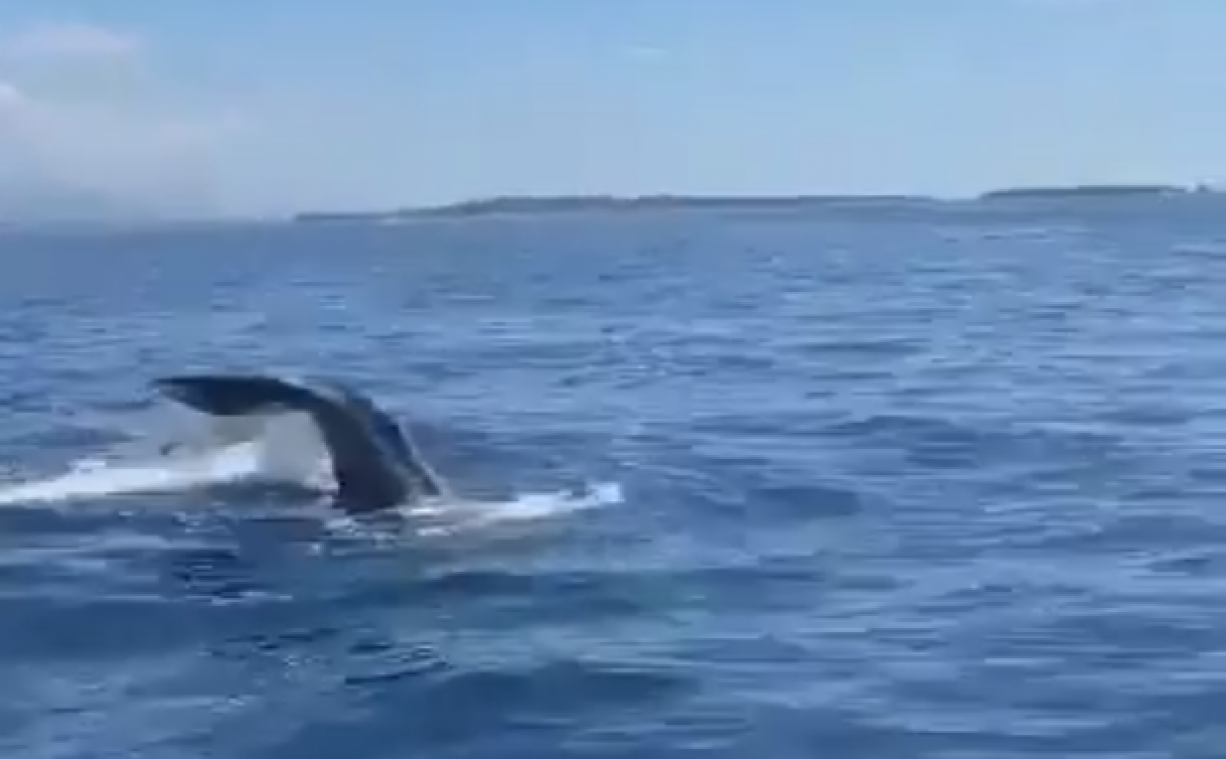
pixel 274 105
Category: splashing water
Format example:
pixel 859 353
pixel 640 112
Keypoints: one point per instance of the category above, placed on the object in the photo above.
pixel 282 448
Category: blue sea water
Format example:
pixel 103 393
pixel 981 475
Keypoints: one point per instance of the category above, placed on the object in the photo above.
pixel 941 482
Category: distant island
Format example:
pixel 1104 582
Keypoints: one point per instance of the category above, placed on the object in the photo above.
pixel 1091 191
pixel 560 204
pixel 549 204
pixel 39 204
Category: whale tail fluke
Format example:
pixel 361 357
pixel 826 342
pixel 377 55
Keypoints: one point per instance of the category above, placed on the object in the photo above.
pixel 373 464
pixel 234 394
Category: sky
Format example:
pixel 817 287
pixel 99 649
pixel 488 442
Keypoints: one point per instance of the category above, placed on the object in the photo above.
pixel 276 106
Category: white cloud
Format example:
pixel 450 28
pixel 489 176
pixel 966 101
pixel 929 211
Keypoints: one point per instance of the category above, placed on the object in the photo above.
pixel 110 146
pixel 112 134
pixel 10 97
pixel 70 41
pixel 646 52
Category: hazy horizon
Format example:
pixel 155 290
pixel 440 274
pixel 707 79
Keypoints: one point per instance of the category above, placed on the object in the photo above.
pixel 239 109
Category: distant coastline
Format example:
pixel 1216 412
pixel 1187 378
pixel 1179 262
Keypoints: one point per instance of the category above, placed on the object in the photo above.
pixel 557 204
pixel 36 208
pixel 548 204
pixel 1091 191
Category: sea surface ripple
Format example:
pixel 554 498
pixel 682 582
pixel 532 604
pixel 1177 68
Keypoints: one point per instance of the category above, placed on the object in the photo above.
pixel 929 483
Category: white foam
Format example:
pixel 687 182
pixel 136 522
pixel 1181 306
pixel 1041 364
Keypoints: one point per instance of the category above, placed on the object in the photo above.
pixel 97 478
pixel 283 448
pixel 530 507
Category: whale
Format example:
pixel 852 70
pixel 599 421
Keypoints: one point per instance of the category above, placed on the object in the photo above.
pixel 374 464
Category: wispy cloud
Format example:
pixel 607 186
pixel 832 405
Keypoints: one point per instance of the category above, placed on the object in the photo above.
pixel 645 52
pixel 69 41
pixel 83 129
pixel 10 97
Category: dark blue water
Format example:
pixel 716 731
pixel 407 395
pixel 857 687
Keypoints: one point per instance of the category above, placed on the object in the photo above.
pixel 938 483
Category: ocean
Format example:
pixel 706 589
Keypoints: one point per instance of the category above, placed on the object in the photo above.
pixel 925 482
